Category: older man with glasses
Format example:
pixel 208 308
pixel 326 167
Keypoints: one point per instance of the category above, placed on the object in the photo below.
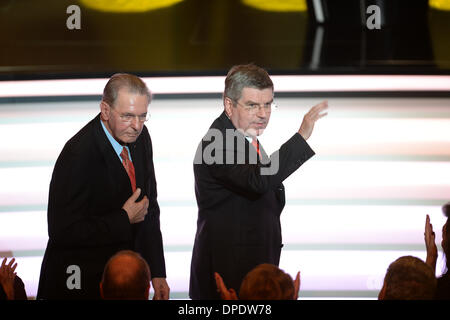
pixel 239 200
pixel 103 198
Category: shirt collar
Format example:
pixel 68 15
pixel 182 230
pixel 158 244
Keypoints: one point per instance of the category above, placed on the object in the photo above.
pixel 116 145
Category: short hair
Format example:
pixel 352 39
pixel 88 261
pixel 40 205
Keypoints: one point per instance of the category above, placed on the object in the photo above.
pixel 267 282
pixel 126 81
pixel 245 76
pixel 130 281
pixel 446 209
pixel 409 278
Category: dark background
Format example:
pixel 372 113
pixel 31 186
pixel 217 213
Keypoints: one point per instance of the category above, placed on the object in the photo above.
pixel 207 37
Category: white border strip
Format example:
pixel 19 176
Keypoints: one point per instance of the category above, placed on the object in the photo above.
pixel 183 85
pixel 318 11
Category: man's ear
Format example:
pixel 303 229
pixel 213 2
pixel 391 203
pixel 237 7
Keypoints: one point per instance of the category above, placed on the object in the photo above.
pixel 296 285
pixel 101 291
pixel 147 292
pixel 104 111
pixel 228 104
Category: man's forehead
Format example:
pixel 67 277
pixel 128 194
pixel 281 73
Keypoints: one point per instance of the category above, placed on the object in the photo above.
pixel 126 97
pixel 255 93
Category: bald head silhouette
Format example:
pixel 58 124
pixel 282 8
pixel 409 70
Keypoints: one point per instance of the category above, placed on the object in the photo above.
pixel 126 277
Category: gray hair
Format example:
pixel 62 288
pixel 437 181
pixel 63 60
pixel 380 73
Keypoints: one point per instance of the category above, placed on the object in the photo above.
pixel 130 82
pixel 242 76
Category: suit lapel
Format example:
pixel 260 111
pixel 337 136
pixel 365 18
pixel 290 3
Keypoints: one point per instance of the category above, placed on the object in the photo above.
pixel 116 170
pixel 252 153
pixel 137 155
pixel 264 156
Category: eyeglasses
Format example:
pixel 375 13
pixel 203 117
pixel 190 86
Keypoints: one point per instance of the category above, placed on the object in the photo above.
pixel 128 117
pixel 253 108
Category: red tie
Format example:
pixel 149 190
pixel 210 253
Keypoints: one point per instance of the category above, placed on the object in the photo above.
pixel 128 167
pixel 256 145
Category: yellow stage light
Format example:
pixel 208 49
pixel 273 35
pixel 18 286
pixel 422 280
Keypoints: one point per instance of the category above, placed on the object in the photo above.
pixel 277 5
pixel 440 4
pixel 127 6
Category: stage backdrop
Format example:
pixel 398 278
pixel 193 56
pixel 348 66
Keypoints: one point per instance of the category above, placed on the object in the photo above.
pixel 381 165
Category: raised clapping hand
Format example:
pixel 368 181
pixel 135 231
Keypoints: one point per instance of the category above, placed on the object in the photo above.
pixel 230 294
pixel 136 210
pixel 314 114
pixel 430 244
pixel 296 285
pixel 7 277
pixel 225 294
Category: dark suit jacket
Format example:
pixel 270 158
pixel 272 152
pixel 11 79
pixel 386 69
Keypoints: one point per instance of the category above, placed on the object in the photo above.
pixel 239 209
pixel 86 222
pixel 443 286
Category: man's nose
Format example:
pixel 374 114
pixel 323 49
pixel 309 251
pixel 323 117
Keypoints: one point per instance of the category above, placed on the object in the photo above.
pixel 135 123
pixel 262 112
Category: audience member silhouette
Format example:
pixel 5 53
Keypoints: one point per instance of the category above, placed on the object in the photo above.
pixel 11 286
pixel 264 282
pixel 443 282
pixel 408 278
pixel 126 277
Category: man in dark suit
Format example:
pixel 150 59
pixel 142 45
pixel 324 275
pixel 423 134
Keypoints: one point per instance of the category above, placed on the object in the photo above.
pixel 239 189
pixel 102 198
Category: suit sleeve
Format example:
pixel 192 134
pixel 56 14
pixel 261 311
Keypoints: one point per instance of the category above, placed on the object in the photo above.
pixel 72 217
pixel 258 179
pixel 149 238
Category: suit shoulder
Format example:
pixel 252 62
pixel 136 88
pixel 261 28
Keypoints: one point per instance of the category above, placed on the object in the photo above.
pixel 144 138
pixel 217 127
pixel 144 134
pixel 82 142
